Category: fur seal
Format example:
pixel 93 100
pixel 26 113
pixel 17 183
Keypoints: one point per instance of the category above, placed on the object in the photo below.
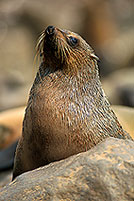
pixel 67 110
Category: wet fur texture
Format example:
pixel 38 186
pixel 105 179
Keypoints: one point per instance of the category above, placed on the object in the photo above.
pixel 67 111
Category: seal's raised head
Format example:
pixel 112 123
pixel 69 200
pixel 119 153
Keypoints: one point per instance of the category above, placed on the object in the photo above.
pixel 61 48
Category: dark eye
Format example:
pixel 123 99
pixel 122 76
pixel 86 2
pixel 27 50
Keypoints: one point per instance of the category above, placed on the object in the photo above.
pixel 73 41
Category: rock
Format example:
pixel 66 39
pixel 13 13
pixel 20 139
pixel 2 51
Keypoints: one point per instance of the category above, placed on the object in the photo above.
pixel 10 131
pixel 104 173
pixel 5 178
pixel 16 55
pixel 116 83
pixel 10 126
pixel 118 52
pixel 127 95
pixel 7 157
pixel 125 116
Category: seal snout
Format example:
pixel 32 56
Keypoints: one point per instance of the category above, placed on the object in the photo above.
pixel 50 30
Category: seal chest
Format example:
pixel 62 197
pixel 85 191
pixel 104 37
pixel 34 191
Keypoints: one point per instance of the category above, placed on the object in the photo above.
pixel 67 110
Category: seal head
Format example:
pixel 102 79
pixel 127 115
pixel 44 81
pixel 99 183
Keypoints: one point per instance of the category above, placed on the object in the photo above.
pixel 61 48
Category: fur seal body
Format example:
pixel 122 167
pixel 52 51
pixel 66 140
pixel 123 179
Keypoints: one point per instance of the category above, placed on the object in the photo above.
pixel 67 111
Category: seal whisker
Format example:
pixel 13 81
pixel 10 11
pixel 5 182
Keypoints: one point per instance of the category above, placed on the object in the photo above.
pixel 62 52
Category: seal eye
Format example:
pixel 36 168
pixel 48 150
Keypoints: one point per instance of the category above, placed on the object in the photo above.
pixel 73 41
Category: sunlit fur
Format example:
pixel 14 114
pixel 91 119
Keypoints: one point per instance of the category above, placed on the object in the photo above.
pixel 83 87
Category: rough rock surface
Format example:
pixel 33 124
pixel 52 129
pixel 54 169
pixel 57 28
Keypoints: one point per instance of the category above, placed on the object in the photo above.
pixel 10 126
pixel 104 173
pixel 5 177
pixel 122 82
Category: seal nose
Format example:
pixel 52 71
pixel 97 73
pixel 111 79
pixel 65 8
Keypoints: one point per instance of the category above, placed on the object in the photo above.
pixel 50 30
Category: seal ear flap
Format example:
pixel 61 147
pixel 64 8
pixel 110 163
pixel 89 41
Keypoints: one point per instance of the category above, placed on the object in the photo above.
pixel 94 56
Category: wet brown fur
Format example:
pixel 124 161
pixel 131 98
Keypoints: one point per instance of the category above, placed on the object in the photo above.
pixel 67 111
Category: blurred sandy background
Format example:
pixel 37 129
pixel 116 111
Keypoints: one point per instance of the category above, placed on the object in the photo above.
pixel 107 25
